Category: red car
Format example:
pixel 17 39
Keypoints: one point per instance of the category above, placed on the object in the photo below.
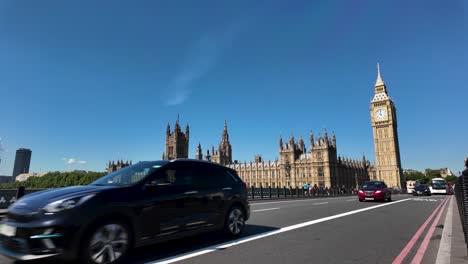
pixel 375 191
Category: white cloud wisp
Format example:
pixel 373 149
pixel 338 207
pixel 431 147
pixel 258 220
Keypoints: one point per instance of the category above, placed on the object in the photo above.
pixel 202 57
pixel 74 161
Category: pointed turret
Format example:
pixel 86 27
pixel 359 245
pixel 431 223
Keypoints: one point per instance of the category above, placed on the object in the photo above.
pixel 379 80
pixel 334 139
pixel 168 129
pixel 291 140
pixel 208 156
pixel 177 125
pixel 302 145
pixel 312 143
pixel 199 153
pixel 380 89
pixel 225 132
pixel 325 136
pixel 281 142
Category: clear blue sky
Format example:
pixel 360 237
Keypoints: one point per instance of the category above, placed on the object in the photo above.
pixel 100 80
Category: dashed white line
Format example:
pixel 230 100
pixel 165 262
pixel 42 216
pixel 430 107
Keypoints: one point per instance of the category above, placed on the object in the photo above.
pixel 352 200
pixel 267 209
pixel 262 235
pixel 319 203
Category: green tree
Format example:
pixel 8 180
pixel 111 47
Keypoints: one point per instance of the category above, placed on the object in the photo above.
pixel 431 174
pixel 452 179
pixel 55 179
pixel 415 176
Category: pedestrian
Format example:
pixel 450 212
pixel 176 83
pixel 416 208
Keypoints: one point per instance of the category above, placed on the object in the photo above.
pixel 306 189
pixel 465 172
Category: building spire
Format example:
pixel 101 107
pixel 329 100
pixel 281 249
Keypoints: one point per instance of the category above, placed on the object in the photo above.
pixel 379 80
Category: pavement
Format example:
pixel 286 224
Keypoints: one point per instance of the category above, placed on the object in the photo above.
pixel 328 230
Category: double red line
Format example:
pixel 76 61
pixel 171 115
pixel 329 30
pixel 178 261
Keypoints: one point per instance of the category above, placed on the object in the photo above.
pixel 423 247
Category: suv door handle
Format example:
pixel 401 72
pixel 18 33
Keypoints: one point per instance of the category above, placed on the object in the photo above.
pixel 191 192
pixel 227 189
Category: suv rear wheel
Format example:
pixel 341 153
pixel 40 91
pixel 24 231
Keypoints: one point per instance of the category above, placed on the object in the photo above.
pixel 235 221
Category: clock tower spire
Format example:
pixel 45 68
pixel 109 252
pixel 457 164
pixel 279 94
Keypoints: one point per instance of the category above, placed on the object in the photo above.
pixel 384 126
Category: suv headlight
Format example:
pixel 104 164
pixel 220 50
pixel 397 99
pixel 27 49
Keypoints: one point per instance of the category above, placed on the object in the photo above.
pixel 68 203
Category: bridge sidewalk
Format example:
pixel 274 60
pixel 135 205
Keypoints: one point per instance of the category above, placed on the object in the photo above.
pixel 459 250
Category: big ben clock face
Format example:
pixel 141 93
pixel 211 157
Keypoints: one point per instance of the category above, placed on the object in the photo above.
pixel 381 114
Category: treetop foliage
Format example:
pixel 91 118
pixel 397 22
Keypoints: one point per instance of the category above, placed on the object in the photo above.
pixel 55 180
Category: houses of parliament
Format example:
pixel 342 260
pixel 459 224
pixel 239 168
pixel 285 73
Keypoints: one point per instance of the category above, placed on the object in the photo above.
pixel 320 164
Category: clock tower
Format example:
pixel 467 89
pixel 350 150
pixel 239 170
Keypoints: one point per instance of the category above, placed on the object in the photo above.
pixel 384 128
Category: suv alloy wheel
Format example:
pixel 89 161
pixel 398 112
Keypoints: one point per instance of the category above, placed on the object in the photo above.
pixel 235 221
pixel 107 243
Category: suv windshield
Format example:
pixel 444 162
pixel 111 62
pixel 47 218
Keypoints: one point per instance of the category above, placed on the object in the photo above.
pixel 371 184
pixel 130 175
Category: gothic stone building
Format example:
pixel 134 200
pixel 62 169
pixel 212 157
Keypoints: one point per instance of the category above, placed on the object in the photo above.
pixel 223 155
pixel 112 166
pixel 177 143
pixel 384 127
pixel 297 166
pixel 320 165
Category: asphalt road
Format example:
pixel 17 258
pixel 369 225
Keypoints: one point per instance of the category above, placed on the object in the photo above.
pixel 322 230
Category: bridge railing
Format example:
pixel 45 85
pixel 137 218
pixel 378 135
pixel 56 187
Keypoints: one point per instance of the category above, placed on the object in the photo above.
pixel 295 192
pixel 461 194
pixel 9 196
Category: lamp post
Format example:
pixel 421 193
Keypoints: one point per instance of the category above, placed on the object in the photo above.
pixel 356 179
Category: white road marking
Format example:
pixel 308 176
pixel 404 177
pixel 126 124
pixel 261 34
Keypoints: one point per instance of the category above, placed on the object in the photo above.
pixel 262 235
pixel 319 203
pixel 268 209
pixel 301 200
pixel 425 200
pixel 352 200
pixel 443 255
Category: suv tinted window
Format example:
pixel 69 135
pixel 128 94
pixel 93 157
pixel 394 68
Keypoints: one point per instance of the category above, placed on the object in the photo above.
pixel 174 174
pixel 206 175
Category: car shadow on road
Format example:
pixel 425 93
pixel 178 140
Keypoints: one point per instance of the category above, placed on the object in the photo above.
pixel 176 247
pixel 160 251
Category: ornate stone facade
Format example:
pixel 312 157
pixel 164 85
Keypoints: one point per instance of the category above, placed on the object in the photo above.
pixel 384 127
pixel 297 166
pixel 177 143
pixel 112 166
pixel 321 165
pixel 223 155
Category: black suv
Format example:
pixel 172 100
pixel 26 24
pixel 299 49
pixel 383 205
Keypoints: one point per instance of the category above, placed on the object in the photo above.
pixel 142 204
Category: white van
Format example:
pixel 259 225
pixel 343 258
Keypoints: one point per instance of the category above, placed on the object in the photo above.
pixel 410 186
pixel 439 186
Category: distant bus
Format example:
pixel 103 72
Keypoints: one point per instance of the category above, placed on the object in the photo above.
pixel 410 186
pixel 439 185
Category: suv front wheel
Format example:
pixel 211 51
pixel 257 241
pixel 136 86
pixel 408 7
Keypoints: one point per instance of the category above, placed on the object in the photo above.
pixel 235 221
pixel 108 242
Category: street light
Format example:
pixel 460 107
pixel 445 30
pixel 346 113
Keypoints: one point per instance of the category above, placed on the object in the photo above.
pixel 356 179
